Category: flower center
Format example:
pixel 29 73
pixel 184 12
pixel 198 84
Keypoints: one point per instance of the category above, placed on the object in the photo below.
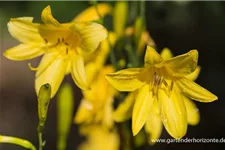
pixel 159 81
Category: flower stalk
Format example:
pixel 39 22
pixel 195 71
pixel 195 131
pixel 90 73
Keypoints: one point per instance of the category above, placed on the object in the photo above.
pixel 17 141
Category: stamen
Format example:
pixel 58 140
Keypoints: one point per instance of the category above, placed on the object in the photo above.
pixel 67 50
pixel 33 68
pixel 155 78
pixel 58 41
pixel 165 83
pixel 46 41
pixel 171 86
pixel 63 40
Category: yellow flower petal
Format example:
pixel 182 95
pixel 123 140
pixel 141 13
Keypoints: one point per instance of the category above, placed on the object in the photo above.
pixel 53 35
pixel 23 52
pixel 100 138
pixel 153 124
pixel 90 13
pixel 90 35
pixel 91 70
pixel 166 54
pixel 78 71
pixel 24 30
pixel 195 91
pixel 52 73
pixel 151 56
pixel 126 80
pixel 193 116
pixel 173 113
pixel 107 119
pixel 47 17
pixel 181 65
pixel 68 68
pixel 194 75
pixel 141 108
pixel 124 110
pixel 84 113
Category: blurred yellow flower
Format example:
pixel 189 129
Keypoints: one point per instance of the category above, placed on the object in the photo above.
pixel 99 138
pixel 90 14
pixel 97 103
pixel 63 46
pixel 166 82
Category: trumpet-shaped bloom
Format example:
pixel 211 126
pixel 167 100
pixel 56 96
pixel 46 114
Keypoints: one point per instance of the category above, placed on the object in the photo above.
pixel 165 81
pixel 63 47
pixel 96 105
pixel 153 125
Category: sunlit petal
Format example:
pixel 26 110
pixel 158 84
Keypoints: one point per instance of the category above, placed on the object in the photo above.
pixel 181 65
pixel 24 30
pixel 47 17
pixel 78 72
pixel 90 13
pixel 194 75
pixel 90 34
pixel 195 91
pixel 141 108
pixel 126 80
pixel 53 74
pixel 193 116
pixel 173 113
pixel 23 52
pixel 151 56
pixel 166 54
pixel 153 124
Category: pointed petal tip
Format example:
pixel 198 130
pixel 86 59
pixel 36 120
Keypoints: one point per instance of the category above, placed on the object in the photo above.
pixel 135 131
pixel 194 54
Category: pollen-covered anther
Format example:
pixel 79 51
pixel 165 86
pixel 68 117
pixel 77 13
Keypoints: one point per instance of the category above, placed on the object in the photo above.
pixel 158 81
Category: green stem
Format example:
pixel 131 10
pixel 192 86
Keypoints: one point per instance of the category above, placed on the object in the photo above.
pixel 17 141
pixel 112 56
pixel 133 58
pixel 142 9
pixel 40 140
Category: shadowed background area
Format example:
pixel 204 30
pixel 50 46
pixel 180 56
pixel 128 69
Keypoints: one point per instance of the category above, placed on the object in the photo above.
pixel 180 26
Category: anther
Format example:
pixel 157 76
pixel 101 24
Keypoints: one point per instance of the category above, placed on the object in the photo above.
pixel 165 83
pixel 46 41
pixel 171 86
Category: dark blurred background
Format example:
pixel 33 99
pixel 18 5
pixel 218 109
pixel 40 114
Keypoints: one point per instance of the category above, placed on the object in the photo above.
pixel 180 26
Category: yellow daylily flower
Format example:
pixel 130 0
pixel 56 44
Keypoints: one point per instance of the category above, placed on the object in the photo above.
pixel 153 125
pixel 99 138
pixel 63 46
pixel 163 81
pixel 96 105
